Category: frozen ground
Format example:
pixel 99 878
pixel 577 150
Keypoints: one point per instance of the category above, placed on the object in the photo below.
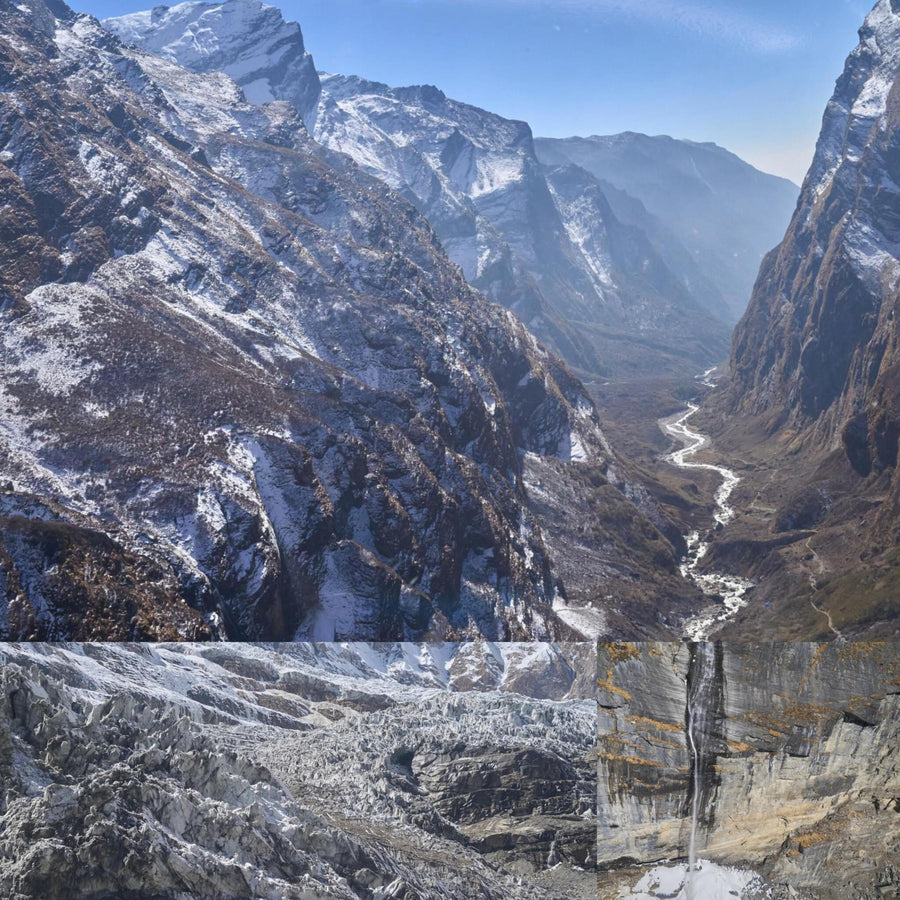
pixel 708 882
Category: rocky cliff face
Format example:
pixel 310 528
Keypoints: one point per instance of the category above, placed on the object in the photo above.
pixel 248 41
pixel 817 344
pixel 813 399
pixel 244 390
pixel 593 289
pixel 802 773
pixel 710 216
pixel 305 771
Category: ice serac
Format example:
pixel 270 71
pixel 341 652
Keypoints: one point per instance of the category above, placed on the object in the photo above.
pixel 594 290
pixel 244 391
pixel 246 39
pixel 800 768
pixel 708 214
pixel 292 772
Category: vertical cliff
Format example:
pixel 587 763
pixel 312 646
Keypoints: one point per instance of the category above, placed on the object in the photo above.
pixel 817 348
pixel 801 772
pixel 813 404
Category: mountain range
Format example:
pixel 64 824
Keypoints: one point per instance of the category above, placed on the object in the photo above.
pixel 607 279
pixel 246 394
pixel 295 355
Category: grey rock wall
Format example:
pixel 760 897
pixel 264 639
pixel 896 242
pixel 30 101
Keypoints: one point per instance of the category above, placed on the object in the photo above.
pixel 805 771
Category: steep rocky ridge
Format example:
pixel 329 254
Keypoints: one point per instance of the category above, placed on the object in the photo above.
pixel 816 337
pixel 804 774
pixel 710 215
pixel 244 391
pixel 212 37
pixel 138 770
pixel 595 290
pixel 474 176
pixel 552 249
pixel 812 403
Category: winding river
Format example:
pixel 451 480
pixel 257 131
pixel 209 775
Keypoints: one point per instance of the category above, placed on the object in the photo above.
pixel 729 591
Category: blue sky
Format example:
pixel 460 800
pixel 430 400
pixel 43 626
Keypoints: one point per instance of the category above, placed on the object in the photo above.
pixel 751 75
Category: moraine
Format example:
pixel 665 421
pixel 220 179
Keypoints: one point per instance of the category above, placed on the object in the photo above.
pixel 732 589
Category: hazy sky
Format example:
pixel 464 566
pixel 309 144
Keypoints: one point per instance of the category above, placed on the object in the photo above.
pixel 751 75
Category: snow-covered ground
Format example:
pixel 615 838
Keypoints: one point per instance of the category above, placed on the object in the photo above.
pixel 402 672
pixel 708 882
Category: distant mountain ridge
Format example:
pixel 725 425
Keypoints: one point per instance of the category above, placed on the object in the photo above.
pixel 590 287
pixel 712 216
pixel 616 299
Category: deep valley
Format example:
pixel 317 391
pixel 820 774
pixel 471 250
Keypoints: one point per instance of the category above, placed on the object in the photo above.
pixel 295 356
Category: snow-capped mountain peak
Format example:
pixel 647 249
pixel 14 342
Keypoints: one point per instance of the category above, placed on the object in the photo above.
pixel 860 101
pixel 246 39
pixel 477 179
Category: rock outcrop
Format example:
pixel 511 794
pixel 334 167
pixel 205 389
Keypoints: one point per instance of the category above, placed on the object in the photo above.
pixel 248 41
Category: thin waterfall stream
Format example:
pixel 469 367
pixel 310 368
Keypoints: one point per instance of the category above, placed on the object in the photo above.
pixel 701 707
pixel 705 727
pixel 728 591
pixel 695 802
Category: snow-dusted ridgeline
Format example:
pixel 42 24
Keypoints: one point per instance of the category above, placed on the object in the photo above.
pixel 243 372
pixel 546 245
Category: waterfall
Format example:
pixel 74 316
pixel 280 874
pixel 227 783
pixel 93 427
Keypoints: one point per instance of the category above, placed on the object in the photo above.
pixel 703 701
pixel 552 858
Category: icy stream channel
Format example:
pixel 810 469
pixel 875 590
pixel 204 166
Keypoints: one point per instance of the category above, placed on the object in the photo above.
pixel 732 589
